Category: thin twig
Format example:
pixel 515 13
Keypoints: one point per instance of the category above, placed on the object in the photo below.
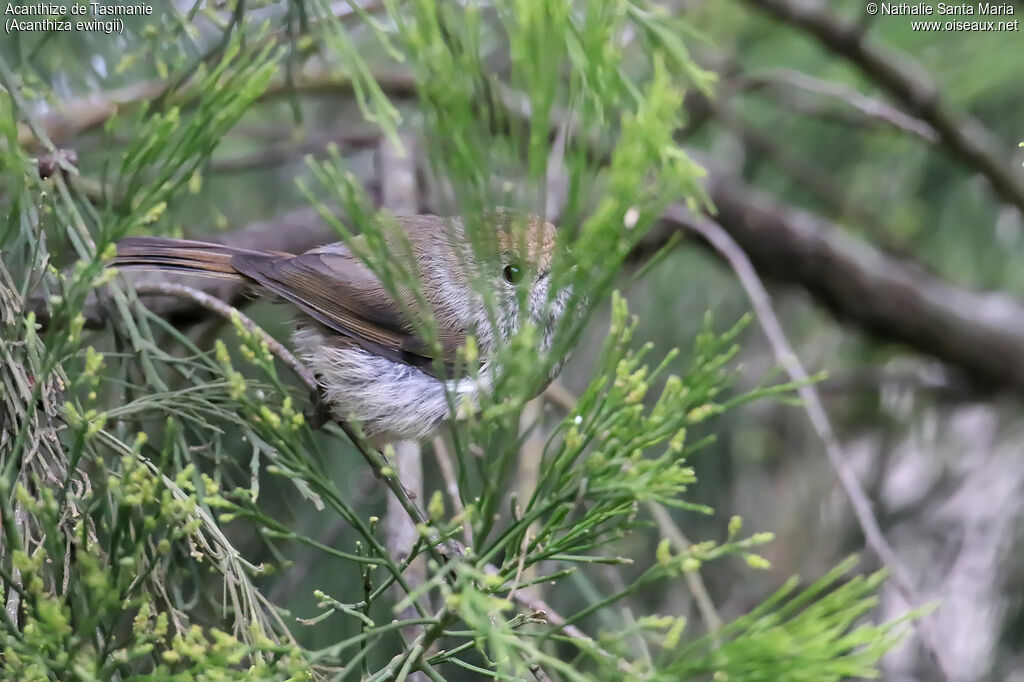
pixel 537 606
pixel 564 398
pixel 868 106
pixel 223 309
pixel 712 620
pixel 538 673
pixel 541 610
pixel 294 151
pixel 720 240
pixel 13 606
pixel 444 461
pixel 439 550
pixel 401 535
pixel 530 454
pixel 295 578
pixel 561 396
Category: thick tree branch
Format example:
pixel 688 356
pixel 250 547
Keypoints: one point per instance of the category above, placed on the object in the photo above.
pixel 78 116
pixel 895 300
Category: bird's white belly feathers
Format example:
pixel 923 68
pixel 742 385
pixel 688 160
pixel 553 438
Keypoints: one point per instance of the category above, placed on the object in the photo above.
pixel 390 400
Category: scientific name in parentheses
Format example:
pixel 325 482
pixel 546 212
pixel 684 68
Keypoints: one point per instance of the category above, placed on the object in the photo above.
pixel 97 8
pixel 923 9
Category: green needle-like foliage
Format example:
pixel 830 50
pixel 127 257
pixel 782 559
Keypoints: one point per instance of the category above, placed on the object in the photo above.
pixel 136 460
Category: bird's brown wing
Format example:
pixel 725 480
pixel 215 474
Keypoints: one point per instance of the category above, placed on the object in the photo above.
pixel 336 289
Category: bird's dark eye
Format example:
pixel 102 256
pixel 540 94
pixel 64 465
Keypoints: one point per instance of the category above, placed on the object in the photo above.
pixel 512 274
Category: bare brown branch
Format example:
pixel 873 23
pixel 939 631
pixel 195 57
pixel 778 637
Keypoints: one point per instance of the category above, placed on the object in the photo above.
pixel 981 334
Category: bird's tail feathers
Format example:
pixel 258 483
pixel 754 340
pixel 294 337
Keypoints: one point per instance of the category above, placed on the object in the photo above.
pixel 184 255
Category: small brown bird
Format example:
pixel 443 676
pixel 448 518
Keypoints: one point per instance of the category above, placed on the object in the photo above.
pixel 372 366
